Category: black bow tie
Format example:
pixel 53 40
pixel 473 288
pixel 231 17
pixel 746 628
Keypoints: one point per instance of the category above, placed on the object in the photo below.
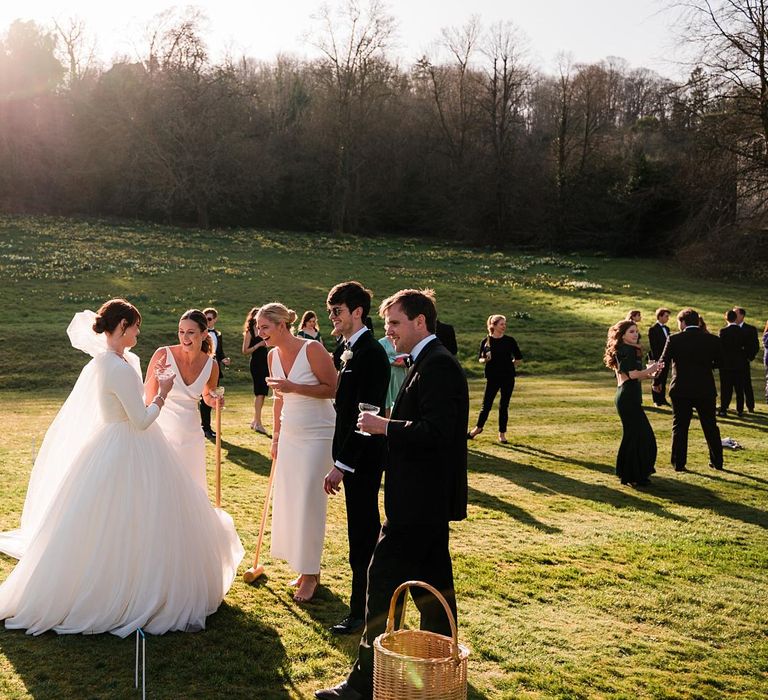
pixel 408 360
pixel 347 345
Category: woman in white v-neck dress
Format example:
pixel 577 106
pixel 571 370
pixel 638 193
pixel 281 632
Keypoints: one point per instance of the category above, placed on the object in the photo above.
pixel 196 376
pixel 303 378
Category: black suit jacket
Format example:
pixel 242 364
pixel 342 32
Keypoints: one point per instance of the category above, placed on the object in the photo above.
pixel 751 343
pixel 693 354
pixel 657 339
pixel 426 471
pixel 364 378
pixel 732 342
pixel 447 336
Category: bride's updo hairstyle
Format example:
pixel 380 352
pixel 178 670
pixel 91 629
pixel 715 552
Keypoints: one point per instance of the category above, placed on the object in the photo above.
pixel 198 317
pixel 110 314
pixel 279 313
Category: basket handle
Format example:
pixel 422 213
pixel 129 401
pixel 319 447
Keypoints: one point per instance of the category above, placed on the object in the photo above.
pixel 420 584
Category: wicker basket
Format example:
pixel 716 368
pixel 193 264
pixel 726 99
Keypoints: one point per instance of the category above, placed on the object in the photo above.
pixel 418 665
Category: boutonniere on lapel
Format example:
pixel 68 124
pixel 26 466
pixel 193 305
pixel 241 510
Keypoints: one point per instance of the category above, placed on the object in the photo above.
pixel 347 355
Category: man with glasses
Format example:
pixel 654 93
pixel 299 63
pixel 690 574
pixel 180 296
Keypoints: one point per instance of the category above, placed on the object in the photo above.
pixel 358 459
pixel 211 316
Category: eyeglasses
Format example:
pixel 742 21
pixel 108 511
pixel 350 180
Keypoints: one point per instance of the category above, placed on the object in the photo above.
pixel 335 311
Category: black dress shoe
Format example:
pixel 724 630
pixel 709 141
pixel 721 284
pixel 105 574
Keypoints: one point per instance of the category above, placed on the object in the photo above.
pixel 209 434
pixel 714 466
pixel 343 691
pixel 722 413
pixel 349 625
pixel 680 469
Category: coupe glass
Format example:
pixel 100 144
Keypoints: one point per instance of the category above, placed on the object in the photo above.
pixel 367 408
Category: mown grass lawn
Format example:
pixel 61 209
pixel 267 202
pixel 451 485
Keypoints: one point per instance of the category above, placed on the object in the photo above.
pixel 569 585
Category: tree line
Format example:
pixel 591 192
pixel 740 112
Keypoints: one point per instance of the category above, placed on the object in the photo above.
pixel 470 142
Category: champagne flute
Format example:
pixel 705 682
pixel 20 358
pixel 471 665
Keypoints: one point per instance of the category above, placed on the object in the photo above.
pixel 367 408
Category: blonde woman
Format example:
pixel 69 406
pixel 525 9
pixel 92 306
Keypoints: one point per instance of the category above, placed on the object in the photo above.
pixel 499 355
pixel 303 378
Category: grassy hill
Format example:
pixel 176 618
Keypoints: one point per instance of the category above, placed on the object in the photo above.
pixel 569 585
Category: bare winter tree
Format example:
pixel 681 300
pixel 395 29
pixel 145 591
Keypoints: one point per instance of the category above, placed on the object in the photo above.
pixel 731 38
pixel 353 39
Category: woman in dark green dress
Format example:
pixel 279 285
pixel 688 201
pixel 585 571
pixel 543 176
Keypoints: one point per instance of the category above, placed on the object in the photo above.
pixel 637 453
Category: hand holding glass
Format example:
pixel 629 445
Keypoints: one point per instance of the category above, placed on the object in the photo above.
pixel 367 408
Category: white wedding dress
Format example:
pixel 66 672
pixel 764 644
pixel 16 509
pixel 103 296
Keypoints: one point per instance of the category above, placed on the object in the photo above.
pixel 303 459
pixel 114 535
pixel 180 420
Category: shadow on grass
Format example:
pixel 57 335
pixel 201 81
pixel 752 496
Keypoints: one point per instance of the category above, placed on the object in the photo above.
pixel 236 654
pixel 671 488
pixel 549 482
pixel 326 608
pixel 487 500
pixel 247 458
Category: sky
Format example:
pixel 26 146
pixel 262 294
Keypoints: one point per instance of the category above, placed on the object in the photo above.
pixel 640 31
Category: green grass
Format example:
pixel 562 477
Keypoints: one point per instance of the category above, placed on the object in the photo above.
pixel 569 585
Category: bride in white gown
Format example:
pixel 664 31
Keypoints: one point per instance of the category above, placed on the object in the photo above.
pixel 197 374
pixel 114 534
pixel 303 378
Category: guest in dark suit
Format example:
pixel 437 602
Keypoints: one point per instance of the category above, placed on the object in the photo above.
pixel 734 368
pixel 657 338
pixel 426 484
pixel 751 348
pixel 693 354
pixel 358 459
pixel 211 315
pixel 447 336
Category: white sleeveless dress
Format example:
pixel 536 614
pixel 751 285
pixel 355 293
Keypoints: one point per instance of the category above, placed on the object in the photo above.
pixel 180 420
pixel 125 539
pixel 303 459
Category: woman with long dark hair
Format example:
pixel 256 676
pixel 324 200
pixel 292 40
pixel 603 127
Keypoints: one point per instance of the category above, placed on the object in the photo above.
pixel 197 375
pixel 636 459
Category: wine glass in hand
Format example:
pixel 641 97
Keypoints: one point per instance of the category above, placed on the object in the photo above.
pixel 367 408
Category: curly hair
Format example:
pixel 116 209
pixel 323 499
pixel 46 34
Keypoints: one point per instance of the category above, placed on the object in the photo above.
pixel 615 339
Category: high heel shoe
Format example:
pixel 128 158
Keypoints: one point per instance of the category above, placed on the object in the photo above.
pixel 474 433
pixel 307 591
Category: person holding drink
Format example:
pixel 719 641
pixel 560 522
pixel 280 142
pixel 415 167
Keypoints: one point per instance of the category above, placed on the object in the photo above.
pixel 363 379
pixel 303 380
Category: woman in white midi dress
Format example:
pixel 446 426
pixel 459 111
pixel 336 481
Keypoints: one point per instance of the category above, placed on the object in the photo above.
pixel 304 381
pixel 125 539
pixel 197 375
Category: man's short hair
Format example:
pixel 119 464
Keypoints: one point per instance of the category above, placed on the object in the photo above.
pixel 730 316
pixel 690 317
pixel 414 302
pixel 212 311
pixel 740 311
pixel 353 295
pixel 660 312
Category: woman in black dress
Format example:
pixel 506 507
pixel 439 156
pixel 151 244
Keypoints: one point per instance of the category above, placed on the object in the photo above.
pixel 500 354
pixel 636 459
pixel 254 346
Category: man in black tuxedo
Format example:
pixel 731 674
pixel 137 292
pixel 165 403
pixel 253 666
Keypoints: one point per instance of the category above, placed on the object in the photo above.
pixel 426 484
pixel 211 315
pixel 751 348
pixel 693 354
pixel 657 337
pixel 358 459
pixel 447 336
pixel 733 370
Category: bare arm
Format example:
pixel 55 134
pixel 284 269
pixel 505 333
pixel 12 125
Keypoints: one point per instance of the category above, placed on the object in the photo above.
pixel 150 381
pixel 210 385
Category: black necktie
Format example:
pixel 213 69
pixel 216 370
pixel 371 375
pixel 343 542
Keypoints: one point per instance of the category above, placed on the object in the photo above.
pixel 408 360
